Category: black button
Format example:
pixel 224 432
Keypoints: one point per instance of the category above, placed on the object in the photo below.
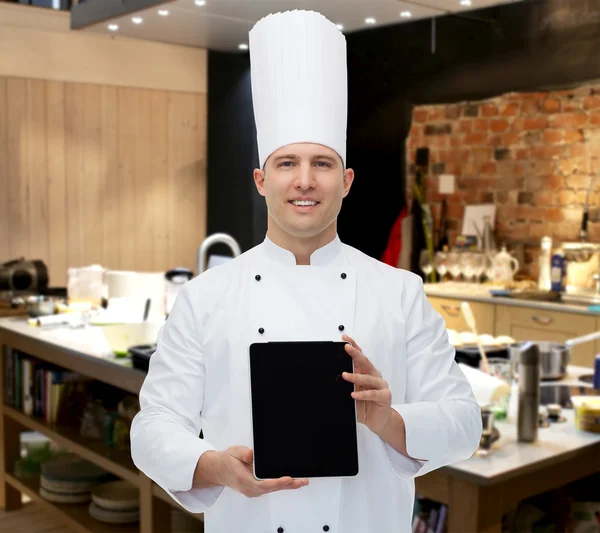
pixel 279 530
pixel 344 275
pixel 261 330
pixel 341 328
pixel 257 277
pixel 325 528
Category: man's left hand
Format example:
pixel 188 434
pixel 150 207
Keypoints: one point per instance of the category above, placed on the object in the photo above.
pixel 373 395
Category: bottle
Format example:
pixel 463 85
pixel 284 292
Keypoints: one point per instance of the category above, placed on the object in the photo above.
pixel 544 281
pixel 557 271
pixel 529 393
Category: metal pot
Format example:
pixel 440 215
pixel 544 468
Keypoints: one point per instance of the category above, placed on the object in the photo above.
pixel 554 358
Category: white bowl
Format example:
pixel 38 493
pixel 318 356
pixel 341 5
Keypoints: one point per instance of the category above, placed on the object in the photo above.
pixel 121 337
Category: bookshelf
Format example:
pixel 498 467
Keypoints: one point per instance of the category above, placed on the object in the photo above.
pixel 155 504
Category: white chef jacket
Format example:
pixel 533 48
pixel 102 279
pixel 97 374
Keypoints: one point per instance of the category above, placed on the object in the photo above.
pixel 199 379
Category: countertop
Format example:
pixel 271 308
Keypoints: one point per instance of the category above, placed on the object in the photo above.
pixel 510 458
pixel 480 293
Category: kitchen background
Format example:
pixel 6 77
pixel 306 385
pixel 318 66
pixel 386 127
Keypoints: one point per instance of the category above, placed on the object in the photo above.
pixel 72 135
pixel 102 148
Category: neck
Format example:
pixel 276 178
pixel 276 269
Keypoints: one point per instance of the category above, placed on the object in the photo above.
pixel 301 247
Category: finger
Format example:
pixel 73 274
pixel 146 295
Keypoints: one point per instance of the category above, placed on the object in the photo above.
pixel 349 339
pixel 366 366
pixel 373 395
pixel 271 485
pixel 365 380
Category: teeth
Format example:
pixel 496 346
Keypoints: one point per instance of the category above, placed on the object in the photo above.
pixel 304 202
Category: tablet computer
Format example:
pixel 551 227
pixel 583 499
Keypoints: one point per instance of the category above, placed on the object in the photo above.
pixel 303 415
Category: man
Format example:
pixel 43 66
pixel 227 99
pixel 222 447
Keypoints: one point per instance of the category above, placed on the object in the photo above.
pixel 416 410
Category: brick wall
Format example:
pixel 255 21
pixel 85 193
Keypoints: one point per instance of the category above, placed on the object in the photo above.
pixel 532 154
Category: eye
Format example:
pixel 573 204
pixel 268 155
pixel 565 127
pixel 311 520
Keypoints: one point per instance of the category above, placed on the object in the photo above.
pixel 286 164
pixel 323 164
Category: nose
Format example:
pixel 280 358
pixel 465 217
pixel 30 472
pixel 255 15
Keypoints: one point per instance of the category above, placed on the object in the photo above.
pixel 305 179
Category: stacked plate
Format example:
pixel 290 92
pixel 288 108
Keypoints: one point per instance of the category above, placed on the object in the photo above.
pixel 117 502
pixel 69 479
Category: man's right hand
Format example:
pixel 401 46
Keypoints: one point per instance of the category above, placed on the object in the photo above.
pixel 233 468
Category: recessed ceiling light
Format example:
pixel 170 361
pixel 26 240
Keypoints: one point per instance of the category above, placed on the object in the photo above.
pixel 406 14
pixel 243 46
pixel 339 26
pixel 465 2
pixel 370 20
pixel 137 20
pixel 200 2
pixel 163 12
pixel 113 27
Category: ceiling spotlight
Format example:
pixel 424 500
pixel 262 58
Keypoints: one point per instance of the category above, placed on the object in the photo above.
pixel 200 2
pixel 113 27
pixel 465 2
pixel 163 12
pixel 406 14
pixel 137 20
pixel 243 46
pixel 339 26
pixel 370 20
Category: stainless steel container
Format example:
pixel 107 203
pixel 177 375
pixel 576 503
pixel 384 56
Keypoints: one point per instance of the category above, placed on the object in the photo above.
pixel 529 393
pixel 554 358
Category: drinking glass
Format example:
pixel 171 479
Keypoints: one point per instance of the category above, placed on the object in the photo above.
pixel 425 262
pixel 453 261
pixel 441 265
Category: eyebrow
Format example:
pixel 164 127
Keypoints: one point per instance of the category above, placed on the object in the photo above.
pixel 295 157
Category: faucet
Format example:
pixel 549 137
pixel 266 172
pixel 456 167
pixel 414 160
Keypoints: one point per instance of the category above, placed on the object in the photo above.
pixel 214 239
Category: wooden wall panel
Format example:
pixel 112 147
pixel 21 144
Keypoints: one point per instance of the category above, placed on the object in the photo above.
pixel 4 214
pixel 37 167
pixel 159 135
pixel 57 182
pixel 109 170
pixel 95 174
pixel 17 158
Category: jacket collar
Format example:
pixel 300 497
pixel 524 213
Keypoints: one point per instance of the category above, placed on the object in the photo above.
pixel 328 255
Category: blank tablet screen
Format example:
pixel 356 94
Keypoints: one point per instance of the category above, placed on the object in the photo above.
pixel 303 414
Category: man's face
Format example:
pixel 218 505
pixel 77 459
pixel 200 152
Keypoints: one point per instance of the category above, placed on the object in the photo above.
pixel 304 185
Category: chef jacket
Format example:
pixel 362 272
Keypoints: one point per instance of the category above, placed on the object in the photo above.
pixel 198 379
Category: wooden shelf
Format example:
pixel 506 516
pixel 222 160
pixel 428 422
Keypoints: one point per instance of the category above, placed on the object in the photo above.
pixel 161 494
pixel 76 516
pixel 112 460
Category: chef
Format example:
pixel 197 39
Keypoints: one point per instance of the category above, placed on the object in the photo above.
pixel 416 410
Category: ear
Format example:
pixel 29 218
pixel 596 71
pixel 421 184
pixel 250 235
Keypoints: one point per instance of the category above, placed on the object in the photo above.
pixel 259 181
pixel 348 180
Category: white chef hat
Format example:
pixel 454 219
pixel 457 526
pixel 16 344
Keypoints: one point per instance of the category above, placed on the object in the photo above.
pixel 299 82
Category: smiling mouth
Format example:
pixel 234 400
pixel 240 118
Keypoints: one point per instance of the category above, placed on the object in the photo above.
pixel 304 203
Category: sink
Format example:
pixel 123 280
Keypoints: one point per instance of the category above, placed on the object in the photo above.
pixel 579 252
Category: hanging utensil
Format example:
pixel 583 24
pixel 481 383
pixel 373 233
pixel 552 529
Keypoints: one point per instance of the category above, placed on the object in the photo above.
pixel 470 320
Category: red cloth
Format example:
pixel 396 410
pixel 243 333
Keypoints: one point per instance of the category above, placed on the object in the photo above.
pixel 391 255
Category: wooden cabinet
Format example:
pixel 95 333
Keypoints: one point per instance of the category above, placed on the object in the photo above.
pixel 449 308
pixel 528 323
pixel 525 323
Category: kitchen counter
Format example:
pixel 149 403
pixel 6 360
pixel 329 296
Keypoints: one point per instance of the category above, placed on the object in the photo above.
pixel 480 293
pixel 480 490
pixel 84 350
pixel 509 458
